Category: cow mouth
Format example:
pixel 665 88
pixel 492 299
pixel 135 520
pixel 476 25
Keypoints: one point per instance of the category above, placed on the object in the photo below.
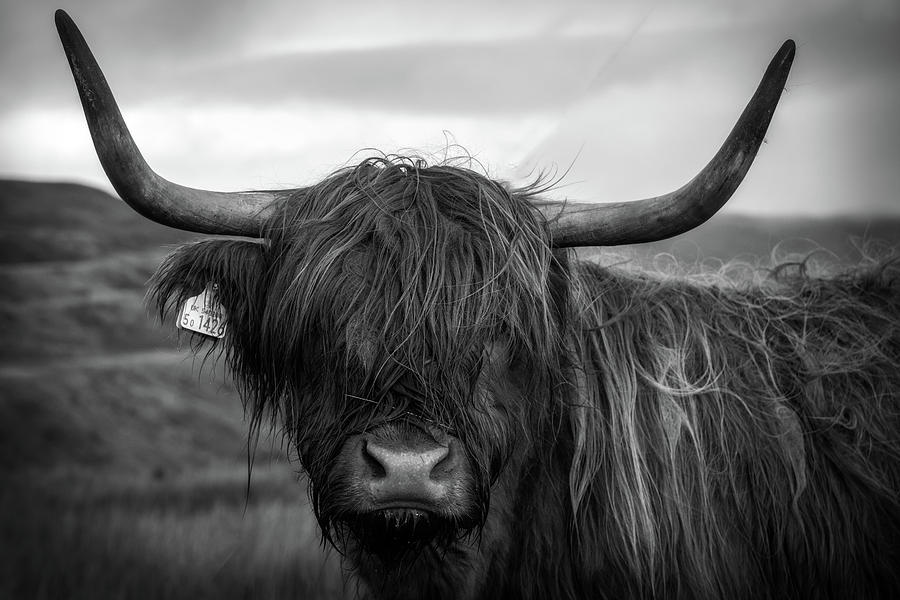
pixel 396 531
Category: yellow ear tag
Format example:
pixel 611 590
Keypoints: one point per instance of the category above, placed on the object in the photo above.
pixel 204 314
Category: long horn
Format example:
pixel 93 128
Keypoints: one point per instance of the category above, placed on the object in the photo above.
pixel 201 211
pixel 674 213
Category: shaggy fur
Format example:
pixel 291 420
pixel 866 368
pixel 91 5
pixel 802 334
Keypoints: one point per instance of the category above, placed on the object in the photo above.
pixel 631 436
pixel 736 440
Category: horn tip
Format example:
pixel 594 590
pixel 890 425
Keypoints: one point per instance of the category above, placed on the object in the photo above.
pixel 787 51
pixel 62 19
pixel 66 28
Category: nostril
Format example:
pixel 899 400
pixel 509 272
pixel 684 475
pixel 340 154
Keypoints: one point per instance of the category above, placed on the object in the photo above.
pixel 376 469
pixel 392 462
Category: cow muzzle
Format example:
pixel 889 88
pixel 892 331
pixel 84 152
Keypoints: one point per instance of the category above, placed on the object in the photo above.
pixel 403 476
pixel 405 486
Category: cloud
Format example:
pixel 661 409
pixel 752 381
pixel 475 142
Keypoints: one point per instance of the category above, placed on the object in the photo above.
pixel 450 58
pixel 228 147
pixel 256 94
pixel 485 77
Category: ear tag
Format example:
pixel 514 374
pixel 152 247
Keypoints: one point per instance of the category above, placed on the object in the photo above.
pixel 204 314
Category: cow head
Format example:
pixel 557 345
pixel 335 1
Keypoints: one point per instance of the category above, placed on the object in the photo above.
pixel 402 323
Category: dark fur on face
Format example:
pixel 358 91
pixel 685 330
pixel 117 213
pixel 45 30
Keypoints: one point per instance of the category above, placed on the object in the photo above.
pixel 378 295
pixel 630 435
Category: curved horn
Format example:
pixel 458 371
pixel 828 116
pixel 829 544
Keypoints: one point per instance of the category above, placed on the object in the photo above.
pixel 674 213
pixel 201 211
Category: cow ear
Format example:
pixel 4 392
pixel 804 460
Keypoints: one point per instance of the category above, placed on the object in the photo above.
pixel 236 269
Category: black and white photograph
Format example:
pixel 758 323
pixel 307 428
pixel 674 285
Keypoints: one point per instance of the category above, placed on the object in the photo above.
pixel 469 300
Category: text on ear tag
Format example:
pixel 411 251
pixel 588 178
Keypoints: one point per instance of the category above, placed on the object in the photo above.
pixel 204 314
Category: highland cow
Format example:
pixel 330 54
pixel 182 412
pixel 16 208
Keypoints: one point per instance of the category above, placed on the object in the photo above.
pixel 482 416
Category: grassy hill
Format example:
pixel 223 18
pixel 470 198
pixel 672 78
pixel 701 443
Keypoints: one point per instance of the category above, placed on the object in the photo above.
pixel 62 221
pixel 832 244
pixel 124 464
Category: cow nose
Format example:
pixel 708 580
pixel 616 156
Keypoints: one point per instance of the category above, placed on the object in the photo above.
pixel 403 476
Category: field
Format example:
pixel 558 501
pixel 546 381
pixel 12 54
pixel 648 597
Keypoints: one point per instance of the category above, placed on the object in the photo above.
pixel 126 466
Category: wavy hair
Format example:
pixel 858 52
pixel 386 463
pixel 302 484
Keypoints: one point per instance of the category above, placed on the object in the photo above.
pixel 734 439
pixel 373 297
pixel 708 439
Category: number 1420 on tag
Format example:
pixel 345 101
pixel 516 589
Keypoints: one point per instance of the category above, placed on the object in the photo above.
pixel 203 314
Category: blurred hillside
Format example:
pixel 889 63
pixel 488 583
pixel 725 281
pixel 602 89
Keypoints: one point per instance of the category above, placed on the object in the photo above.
pixel 124 464
pixel 831 244
pixel 99 382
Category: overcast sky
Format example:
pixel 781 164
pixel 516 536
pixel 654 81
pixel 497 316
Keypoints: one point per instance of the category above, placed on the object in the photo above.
pixel 631 98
